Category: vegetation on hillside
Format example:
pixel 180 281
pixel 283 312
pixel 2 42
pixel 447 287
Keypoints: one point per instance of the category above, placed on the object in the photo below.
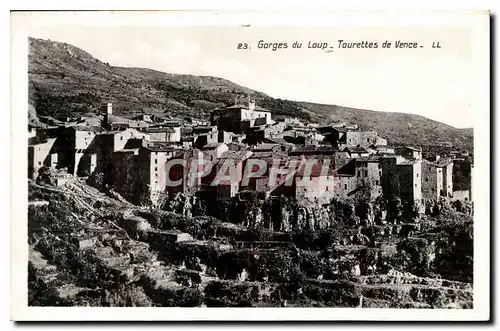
pixel 64 80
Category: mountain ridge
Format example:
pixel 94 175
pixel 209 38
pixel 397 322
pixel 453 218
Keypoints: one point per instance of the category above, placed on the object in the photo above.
pixel 65 80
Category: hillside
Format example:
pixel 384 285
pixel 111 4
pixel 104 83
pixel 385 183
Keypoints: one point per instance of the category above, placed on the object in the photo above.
pixel 399 127
pixel 65 80
pixel 88 248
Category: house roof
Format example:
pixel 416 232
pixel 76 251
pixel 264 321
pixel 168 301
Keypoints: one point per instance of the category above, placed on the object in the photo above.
pixel 270 156
pixel 187 138
pixel 134 143
pixel 413 148
pixel 204 127
pixel 118 120
pixel 158 130
pixel 239 106
pixel 233 143
pixel 257 108
pixel 341 129
pixel 128 150
pixel 88 128
pixel 347 169
pixel 356 150
pixel 371 158
pixel 211 146
pixel 279 141
pixel 144 117
pixel 408 162
pixel 382 147
pixel 264 147
pixel 236 155
pixel 443 162
pixel 314 149
pixel 316 170
pixel 50 118
pixel 160 146
pixel 37 125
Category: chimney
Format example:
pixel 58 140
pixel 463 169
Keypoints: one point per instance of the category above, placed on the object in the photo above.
pixel 251 104
pixel 437 158
pixel 107 108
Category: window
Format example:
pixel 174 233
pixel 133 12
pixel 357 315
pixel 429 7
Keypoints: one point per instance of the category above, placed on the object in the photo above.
pixel 89 133
pixel 345 186
pixel 366 173
pixel 376 182
pixel 415 184
pixel 417 174
pixel 156 161
pixel 121 137
pixel 426 179
pixel 39 163
pixel 156 168
pixel 367 140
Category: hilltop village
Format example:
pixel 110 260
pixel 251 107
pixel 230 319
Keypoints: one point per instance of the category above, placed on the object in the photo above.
pixel 128 155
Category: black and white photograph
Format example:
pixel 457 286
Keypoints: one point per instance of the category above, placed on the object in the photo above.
pixel 251 161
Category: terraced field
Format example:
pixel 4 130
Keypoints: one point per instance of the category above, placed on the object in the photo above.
pixel 91 248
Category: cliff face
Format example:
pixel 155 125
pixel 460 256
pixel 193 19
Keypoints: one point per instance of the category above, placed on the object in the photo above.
pixel 287 214
pixel 282 214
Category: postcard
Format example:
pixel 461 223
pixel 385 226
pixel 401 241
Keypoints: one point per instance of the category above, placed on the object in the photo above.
pixel 202 165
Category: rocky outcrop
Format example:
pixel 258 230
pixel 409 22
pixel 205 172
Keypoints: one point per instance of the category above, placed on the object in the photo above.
pixel 91 249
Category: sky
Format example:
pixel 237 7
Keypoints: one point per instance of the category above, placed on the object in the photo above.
pixel 435 83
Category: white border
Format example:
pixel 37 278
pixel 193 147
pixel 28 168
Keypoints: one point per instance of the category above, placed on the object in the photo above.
pixel 479 22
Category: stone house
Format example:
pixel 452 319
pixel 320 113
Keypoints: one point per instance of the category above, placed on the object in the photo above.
pixel 410 180
pixel 345 181
pixel 185 172
pixel 446 164
pixel 41 154
pixel 83 146
pixel 152 172
pixel 240 118
pixel 369 174
pixel 318 183
pixel 410 153
pixel 432 180
pixel 168 134
pixel 230 164
pixel 355 152
pixel 341 158
pixel 349 138
pixel 390 175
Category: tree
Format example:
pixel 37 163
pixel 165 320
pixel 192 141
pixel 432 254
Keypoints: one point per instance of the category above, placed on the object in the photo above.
pixel 394 209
